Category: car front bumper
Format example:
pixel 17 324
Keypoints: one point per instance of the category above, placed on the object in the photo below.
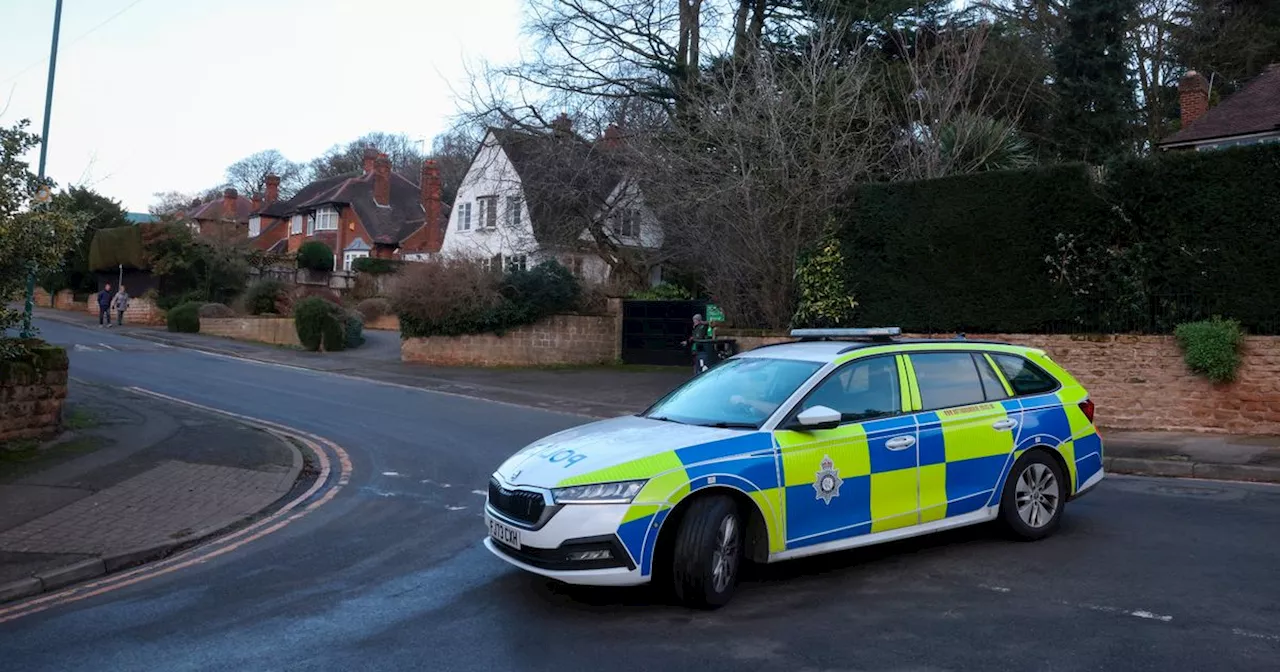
pixel 573 529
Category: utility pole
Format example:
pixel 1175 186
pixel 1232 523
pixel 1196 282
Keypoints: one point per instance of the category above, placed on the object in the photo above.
pixel 27 331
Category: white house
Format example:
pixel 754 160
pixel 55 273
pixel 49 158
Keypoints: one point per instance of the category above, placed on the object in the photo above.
pixel 527 198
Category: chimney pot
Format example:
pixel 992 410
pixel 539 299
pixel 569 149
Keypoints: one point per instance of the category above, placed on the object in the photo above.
pixel 273 188
pixel 257 202
pixel 370 157
pixel 1193 97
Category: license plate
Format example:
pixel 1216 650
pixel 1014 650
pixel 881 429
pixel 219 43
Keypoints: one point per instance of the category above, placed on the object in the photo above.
pixel 504 534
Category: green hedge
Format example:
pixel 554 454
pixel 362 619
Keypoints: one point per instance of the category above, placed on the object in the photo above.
pixel 110 248
pixel 375 266
pixel 184 318
pixel 315 256
pixel 1148 244
pixel 1211 348
pixel 319 324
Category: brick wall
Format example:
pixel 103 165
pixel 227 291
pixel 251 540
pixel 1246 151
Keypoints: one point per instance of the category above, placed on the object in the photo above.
pixel 66 300
pixel 274 330
pixel 560 339
pixel 141 311
pixel 384 323
pixel 31 396
pixel 1142 382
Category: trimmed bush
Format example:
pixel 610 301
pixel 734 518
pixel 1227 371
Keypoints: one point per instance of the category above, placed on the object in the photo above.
pixel 1211 348
pixel 216 310
pixel 454 297
pixel 320 324
pixel 184 318
pixel 353 334
pixel 265 297
pixel 374 308
pixel 315 256
pixel 376 266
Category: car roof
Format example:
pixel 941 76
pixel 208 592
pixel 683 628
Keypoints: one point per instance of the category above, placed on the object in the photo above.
pixel 827 350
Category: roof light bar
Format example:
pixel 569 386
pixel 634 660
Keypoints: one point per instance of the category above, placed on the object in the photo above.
pixel 861 332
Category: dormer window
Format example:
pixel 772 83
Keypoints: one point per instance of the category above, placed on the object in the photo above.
pixel 255 226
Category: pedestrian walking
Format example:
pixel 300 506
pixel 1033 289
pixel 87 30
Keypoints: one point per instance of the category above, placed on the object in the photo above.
pixel 104 306
pixel 701 349
pixel 120 304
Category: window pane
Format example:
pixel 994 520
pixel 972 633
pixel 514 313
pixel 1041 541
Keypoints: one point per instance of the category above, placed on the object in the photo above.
pixel 860 390
pixel 990 383
pixel 1023 376
pixel 947 379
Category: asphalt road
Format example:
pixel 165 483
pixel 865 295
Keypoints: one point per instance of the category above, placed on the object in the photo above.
pixel 1145 574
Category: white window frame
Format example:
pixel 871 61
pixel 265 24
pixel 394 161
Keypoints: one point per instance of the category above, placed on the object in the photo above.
pixel 349 258
pixel 515 262
pixel 487 213
pixel 295 225
pixel 627 223
pixel 255 227
pixel 464 216
pixel 326 219
pixel 514 207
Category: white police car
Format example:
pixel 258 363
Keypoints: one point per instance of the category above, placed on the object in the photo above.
pixel 845 438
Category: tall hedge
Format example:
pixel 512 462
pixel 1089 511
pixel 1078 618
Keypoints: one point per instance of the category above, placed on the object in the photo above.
pixel 1145 244
pixel 1210 225
pixel 968 252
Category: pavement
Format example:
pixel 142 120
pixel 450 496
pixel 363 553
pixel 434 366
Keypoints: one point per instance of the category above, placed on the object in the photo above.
pixel 134 480
pixel 609 391
pixel 1144 574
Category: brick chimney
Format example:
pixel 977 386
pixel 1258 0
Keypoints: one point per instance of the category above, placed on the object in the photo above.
pixel 370 158
pixel 431 206
pixel 229 197
pixel 273 188
pixel 257 202
pixel 1193 95
pixel 612 138
pixel 382 181
pixel 562 125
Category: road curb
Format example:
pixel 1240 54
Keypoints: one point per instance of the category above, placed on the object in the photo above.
pixel 1206 470
pixel 66 575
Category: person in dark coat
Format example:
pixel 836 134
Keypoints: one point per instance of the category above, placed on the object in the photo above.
pixel 104 306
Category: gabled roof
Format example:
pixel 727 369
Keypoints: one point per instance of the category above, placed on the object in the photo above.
pixel 565 180
pixel 1255 108
pixel 215 210
pixel 386 225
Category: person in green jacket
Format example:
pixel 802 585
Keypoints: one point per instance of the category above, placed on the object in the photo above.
pixel 702 331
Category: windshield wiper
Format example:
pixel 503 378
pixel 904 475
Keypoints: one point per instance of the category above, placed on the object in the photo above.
pixel 732 425
pixel 662 418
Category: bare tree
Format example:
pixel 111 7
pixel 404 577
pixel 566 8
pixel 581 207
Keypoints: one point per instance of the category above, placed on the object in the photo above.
pixel 167 203
pixel 249 175
pixel 1152 35
pixel 779 142
pixel 406 155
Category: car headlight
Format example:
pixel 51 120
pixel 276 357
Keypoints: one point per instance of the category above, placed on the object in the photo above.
pixel 621 492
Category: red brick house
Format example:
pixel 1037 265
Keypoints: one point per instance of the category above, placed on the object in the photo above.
pixel 226 218
pixel 375 212
pixel 1249 116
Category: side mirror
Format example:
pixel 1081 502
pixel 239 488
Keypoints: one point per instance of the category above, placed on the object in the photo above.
pixel 818 417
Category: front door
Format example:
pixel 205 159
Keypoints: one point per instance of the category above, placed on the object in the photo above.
pixel 966 436
pixel 860 477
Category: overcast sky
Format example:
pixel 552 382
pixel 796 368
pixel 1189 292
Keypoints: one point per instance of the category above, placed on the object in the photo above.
pixel 169 92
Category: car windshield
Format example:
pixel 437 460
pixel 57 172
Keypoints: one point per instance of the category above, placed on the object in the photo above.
pixel 740 393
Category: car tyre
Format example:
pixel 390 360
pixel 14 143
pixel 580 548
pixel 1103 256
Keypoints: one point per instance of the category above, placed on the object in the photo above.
pixel 707 555
pixel 1034 496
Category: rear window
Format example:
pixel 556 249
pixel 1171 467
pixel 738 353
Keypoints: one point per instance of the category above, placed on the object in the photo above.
pixel 947 379
pixel 1023 376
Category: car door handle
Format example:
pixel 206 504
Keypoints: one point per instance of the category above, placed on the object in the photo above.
pixel 900 442
pixel 1006 424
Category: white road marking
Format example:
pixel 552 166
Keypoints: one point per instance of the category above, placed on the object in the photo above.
pixel 1137 613
pixel 107 347
pixel 998 589
pixel 482 493
pixel 455 508
pixel 1154 617
pixel 390 473
pixel 85 348
pixel 1255 635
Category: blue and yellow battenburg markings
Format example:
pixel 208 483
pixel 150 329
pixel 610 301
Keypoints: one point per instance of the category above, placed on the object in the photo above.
pixel 958 465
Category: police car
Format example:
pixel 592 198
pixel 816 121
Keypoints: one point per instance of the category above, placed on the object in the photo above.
pixel 843 438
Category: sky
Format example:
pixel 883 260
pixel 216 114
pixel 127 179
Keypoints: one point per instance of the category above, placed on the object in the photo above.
pixel 163 95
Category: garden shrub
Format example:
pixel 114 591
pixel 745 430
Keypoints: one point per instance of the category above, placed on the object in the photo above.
pixel 184 318
pixel 455 297
pixel 372 309
pixel 264 297
pixel 825 299
pixel 320 324
pixel 376 266
pixel 216 310
pixel 353 336
pixel 315 256
pixel 1211 348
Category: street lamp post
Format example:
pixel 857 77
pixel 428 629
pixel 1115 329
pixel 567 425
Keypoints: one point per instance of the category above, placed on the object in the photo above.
pixel 27 331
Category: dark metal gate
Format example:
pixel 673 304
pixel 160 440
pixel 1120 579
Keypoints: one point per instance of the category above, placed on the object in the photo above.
pixel 652 331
